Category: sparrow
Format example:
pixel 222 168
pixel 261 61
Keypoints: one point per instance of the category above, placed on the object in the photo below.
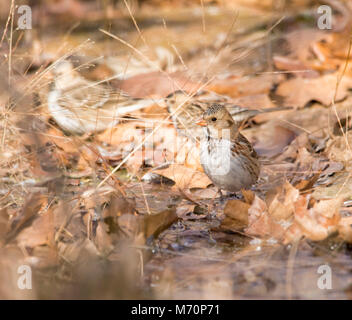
pixel 185 109
pixel 227 157
pixel 80 106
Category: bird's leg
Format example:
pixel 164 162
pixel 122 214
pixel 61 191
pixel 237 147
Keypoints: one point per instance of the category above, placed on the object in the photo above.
pixel 222 196
pixel 212 206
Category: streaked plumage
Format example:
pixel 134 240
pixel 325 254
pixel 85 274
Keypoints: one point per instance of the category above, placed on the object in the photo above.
pixel 79 106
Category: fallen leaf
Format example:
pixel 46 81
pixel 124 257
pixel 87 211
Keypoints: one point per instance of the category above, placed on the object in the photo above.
pixel 245 86
pixel 184 177
pixel 156 84
pixel 236 215
pixel 102 239
pixel 345 229
pixel 260 223
pixel 208 193
pixel 28 212
pixel 41 232
pixel 248 195
pixel 147 225
pixel 318 222
pixel 43 257
pixel 298 92
pixel 282 205
pixel 300 41
pixel 237 210
pixel 273 140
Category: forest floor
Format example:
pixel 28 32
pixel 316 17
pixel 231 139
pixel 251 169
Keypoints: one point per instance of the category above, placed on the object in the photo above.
pixel 128 212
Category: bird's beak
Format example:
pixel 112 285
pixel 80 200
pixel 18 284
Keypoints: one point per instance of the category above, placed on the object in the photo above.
pixel 201 122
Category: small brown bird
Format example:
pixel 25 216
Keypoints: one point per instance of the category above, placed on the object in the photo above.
pixel 79 105
pixel 226 155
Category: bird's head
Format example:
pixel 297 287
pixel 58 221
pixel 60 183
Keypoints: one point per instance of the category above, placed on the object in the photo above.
pixel 218 122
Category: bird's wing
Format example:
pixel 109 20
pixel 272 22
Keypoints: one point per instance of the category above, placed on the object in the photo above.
pixel 240 114
pixel 241 143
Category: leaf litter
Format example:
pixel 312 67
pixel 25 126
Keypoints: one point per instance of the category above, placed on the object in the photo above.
pixel 156 227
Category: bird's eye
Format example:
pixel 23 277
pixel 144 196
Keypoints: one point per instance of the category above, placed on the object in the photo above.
pixel 213 119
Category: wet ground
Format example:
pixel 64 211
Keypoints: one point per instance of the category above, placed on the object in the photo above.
pixel 195 257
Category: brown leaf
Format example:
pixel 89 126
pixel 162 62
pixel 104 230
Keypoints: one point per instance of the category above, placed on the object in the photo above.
pixel 154 224
pixel 282 205
pixel 47 226
pixel 209 193
pixel 244 86
pixel 274 140
pixel 4 223
pixel 185 178
pixel 248 195
pixel 255 101
pixel 300 42
pixel 237 210
pixel 41 232
pixel 117 205
pixel 156 84
pixel 43 257
pixel 29 210
pixel 345 229
pixel 147 225
pixel 319 222
pixel 298 92
pixel 260 223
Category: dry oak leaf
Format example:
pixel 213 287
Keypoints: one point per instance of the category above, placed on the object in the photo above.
pixel 345 229
pixel 237 210
pixel 299 42
pixel 188 155
pixel 44 228
pixel 124 133
pixel 256 101
pixel 262 219
pixel 156 84
pixel 273 140
pixel 141 227
pixel 260 223
pixel 318 222
pixel 245 86
pixel 41 232
pixel 28 213
pixel 282 206
pixel 299 91
pixel 184 177
pixel 236 215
